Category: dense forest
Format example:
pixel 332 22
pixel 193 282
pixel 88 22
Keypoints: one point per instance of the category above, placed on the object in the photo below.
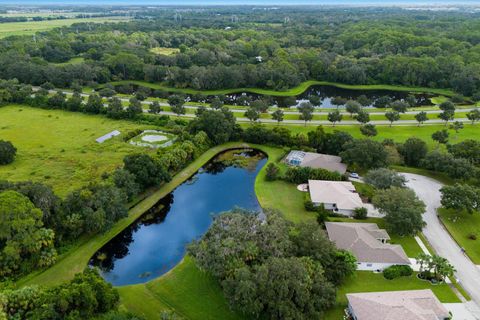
pixel 213 48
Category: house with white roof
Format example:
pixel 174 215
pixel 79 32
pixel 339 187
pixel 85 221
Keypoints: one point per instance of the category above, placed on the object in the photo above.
pixel 316 160
pixel 396 305
pixel 368 244
pixel 338 196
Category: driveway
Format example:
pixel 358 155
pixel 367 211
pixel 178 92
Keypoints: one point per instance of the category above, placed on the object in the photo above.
pixel 468 274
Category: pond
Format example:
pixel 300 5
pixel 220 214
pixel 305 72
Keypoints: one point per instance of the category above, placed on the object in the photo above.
pixel 325 93
pixel 155 243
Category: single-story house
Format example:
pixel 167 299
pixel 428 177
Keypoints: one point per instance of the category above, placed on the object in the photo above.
pixel 396 305
pixel 316 160
pixel 337 196
pixel 368 244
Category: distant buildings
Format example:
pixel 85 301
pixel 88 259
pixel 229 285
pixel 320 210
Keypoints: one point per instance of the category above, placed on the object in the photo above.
pixel 368 244
pixel 337 196
pixel 316 160
pixel 396 305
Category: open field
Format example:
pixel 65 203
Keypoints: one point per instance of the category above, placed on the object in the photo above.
pixel 164 51
pixel 461 226
pixel 290 92
pixel 31 27
pixel 76 60
pixel 59 148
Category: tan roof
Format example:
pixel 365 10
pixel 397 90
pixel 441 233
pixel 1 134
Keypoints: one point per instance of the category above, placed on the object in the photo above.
pixel 361 240
pixel 397 305
pixel 342 193
pixel 319 160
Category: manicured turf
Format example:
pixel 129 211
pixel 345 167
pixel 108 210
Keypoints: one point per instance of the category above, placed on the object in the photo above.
pixel 461 226
pixel 59 148
pixel 397 133
pixel 189 292
pixel 290 92
pixel 364 281
pixel 31 27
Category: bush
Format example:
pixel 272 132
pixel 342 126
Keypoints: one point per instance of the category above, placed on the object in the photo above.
pixel 7 152
pixel 472 236
pixel 272 172
pixel 397 271
pixel 360 213
pixel 303 174
pixel 309 206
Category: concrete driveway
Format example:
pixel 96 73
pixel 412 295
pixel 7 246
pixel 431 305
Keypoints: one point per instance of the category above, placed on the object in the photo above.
pixel 468 274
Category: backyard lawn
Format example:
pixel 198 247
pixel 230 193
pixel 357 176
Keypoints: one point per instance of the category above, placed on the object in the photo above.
pixel 364 281
pixel 461 226
pixel 58 148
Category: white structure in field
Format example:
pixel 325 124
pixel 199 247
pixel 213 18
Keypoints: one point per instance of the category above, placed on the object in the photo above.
pixel 337 196
pixel 110 135
pixel 368 244
pixel 316 160
pixel 396 305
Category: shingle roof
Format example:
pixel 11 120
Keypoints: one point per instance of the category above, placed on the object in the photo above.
pixel 342 193
pixel 318 160
pixel 361 240
pixel 397 305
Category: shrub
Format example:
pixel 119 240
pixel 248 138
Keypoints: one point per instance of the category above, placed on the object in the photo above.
pixel 7 152
pixel 397 271
pixel 309 206
pixel 272 172
pixel 303 174
pixel 360 213
pixel 472 236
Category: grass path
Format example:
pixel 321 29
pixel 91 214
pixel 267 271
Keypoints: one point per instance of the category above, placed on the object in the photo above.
pixel 290 92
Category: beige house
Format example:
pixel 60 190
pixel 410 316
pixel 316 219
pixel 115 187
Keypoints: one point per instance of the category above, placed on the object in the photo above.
pixel 368 244
pixel 337 196
pixel 316 160
pixel 396 305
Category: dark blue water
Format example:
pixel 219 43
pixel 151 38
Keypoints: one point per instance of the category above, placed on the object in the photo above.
pixel 156 243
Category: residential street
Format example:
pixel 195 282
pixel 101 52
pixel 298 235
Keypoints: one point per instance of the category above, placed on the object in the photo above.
pixel 467 273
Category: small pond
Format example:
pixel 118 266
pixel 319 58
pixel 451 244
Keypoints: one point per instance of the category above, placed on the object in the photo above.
pixel 156 242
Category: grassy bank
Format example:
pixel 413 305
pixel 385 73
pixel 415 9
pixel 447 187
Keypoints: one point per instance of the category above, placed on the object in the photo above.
pixel 461 226
pixel 290 92
pixel 58 148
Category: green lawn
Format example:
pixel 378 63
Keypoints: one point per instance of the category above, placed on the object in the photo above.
pixel 443 178
pixel 187 291
pixel 290 92
pixel 59 148
pixel 461 226
pixel 31 27
pixel 397 133
pixel 364 281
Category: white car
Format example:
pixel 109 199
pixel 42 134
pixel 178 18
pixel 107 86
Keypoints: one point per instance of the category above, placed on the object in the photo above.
pixel 354 175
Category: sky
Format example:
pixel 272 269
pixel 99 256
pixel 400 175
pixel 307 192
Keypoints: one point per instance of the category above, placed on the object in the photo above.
pixel 243 2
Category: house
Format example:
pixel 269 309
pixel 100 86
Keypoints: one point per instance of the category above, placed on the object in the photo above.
pixel 368 244
pixel 337 196
pixel 396 305
pixel 316 160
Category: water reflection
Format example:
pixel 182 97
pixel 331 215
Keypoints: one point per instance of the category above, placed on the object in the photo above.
pixel 156 242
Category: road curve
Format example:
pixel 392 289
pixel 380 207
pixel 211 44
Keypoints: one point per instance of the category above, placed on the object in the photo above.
pixel 468 274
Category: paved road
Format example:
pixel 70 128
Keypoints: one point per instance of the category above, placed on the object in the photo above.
pixel 467 273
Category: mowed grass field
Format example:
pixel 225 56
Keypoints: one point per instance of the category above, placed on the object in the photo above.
pixel 31 27
pixel 59 148
pixel 464 226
